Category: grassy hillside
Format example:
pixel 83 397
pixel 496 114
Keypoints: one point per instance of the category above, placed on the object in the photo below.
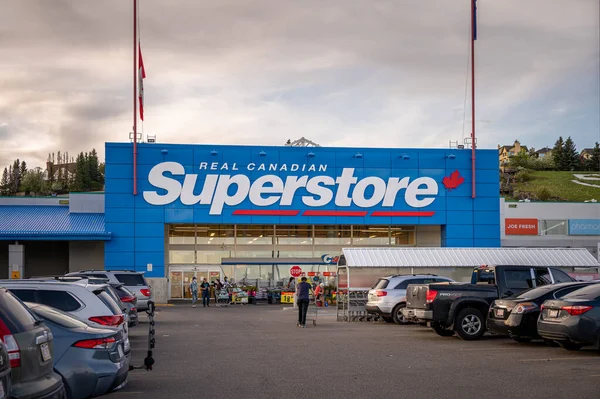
pixel 564 186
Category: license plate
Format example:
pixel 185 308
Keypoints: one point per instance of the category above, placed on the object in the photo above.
pixel 120 350
pixel 552 313
pixel 46 355
pixel 500 313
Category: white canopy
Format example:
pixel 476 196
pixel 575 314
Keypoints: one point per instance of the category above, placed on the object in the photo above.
pixel 456 257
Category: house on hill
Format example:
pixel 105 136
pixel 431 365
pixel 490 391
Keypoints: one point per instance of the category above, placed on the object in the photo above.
pixel 507 151
pixel 586 154
pixel 543 152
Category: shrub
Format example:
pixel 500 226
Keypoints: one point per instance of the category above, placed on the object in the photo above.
pixel 543 194
pixel 523 176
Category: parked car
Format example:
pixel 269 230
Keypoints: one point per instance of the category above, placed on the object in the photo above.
pixel 133 281
pixel 462 308
pixel 88 302
pixel 91 360
pixel 4 372
pixel 129 299
pixel 517 315
pixel 572 321
pixel 30 346
pixel 387 298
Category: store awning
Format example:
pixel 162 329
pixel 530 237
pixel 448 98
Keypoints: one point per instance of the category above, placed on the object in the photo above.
pixel 455 257
pixel 24 222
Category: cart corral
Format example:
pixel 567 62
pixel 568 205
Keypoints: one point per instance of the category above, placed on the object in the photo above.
pixel 360 268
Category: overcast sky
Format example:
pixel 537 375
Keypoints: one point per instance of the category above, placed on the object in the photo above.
pixel 339 72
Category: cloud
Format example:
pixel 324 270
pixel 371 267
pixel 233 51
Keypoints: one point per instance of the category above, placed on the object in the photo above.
pixel 362 73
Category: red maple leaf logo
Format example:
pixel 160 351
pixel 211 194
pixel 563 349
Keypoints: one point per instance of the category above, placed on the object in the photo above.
pixel 453 181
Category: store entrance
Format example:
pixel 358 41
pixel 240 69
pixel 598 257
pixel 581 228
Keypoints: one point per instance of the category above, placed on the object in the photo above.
pixel 180 278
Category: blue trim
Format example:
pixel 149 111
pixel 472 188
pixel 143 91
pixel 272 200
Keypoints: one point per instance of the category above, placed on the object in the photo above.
pixel 37 236
pixel 276 262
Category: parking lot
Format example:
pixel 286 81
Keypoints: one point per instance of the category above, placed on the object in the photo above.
pixel 257 351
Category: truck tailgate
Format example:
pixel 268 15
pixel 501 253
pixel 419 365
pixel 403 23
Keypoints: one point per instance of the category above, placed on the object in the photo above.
pixel 416 296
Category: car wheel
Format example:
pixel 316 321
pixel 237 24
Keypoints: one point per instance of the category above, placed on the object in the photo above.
pixel 521 339
pixel 397 314
pixel 570 346
pixel 469 324
pixel 441 330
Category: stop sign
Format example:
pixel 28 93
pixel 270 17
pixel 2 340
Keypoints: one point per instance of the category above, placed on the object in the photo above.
pixel 295 271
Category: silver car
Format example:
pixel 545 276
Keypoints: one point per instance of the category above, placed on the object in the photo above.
pixel 387 298
pixel 88 302
pixel 133 281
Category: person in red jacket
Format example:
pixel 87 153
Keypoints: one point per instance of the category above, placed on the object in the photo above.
pixel 319 295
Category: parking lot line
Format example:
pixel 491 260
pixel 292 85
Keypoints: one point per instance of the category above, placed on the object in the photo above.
pixel 551 359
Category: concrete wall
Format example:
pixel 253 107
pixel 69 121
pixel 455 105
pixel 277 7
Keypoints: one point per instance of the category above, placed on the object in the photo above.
pixel 160 289
pixel 86 203
pixel 4 260
pixel 86 255
pixel 43 258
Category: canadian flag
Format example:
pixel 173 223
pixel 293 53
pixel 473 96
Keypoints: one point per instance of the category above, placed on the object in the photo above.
pixel 141 76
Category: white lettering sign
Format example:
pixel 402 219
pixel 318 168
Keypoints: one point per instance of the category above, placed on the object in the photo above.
pixel 231 190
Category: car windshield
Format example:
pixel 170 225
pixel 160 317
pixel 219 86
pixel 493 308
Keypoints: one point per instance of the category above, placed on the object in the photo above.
pixel 590 292
pixel 381 284
pixel 131 279
pixel 57 317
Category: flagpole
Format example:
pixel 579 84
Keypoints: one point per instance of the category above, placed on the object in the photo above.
pixel 135 97
pixel 473 144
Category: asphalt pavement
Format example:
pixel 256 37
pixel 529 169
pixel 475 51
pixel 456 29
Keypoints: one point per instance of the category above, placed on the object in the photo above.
pixel 256 351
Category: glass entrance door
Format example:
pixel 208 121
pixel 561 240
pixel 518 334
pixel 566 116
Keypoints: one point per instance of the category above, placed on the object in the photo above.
pixel 181 277
pixel 187 280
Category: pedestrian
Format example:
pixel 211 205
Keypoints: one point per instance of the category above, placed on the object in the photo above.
pixel 194 291
pixel 303 291
pixel 319 294
pixel 291 285
pixel 205 287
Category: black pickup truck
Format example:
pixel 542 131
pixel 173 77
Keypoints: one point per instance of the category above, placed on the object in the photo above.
pixel 463 307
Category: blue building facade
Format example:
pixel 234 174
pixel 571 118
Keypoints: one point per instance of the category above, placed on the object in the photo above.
pixel 212 185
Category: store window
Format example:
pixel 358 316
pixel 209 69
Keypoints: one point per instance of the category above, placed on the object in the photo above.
pixel 294 235
pixel 215 235
pixel 211 256
pixel 293 253
pixel 371 235
pixel 403 235
pixel 255 234
pixel 333 235
pixel 554 227
pixel 254 251
pixel 181 257
pixel 182 234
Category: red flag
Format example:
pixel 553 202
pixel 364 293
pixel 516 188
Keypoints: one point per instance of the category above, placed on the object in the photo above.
pixel 141 76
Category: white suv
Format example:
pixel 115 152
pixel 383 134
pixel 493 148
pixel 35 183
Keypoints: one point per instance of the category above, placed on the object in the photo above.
pixel 133 281
pixel 387 298
pixel 89 303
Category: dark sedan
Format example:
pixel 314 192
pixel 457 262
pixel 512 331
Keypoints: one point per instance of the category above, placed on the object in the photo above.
pixel 4 372
pixel 517 315
pixel 574 320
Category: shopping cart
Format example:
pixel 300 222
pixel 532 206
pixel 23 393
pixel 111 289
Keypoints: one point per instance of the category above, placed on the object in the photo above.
pixel 222 298
pixel 313 311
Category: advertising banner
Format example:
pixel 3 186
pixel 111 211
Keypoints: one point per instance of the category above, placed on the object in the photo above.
pixel 528 227
pixel 584 227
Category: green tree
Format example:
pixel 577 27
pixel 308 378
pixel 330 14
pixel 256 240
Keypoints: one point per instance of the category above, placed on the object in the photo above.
pixel 82 180
pixel 5 183
pixel 593 164
pixel 522 159
pixel 571 156
pixel 558 154
pixel 34 183
pixel 16 177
